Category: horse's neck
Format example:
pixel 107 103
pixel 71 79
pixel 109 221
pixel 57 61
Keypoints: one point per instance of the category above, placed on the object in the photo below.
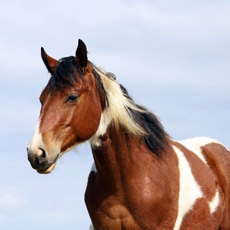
pixel 129 177
pixel 119 157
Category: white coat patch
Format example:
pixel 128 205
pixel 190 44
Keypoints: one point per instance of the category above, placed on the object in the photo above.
pixel 214 203
pixel 189 190
pixel 195 145
pixel 95 140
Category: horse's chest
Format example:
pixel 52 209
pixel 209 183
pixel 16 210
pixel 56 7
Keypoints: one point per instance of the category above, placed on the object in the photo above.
pixel 131 208
pixel 112 213
pixel 115 217
pixel 107 211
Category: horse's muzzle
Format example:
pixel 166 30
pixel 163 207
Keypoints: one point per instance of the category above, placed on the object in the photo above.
pixel 40 161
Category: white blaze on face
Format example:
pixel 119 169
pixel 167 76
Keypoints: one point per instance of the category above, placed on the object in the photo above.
pixel 36 143
pixel 37 146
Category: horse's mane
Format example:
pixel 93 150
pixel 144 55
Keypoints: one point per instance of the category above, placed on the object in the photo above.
pixel 134 118
pixel 65 74
pixel 119 105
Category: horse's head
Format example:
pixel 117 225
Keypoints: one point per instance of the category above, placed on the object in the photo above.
pixel 71 107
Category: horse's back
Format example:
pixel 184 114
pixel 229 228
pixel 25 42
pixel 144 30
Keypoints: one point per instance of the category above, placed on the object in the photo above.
pixel 217 157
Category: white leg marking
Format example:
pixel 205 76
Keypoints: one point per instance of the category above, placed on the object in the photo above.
pixel 189 189
pixel 195 145
pixel 214 203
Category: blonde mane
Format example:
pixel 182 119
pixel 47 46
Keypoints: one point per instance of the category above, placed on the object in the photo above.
pixel 119 104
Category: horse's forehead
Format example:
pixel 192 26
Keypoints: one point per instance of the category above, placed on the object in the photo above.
pixel 49 97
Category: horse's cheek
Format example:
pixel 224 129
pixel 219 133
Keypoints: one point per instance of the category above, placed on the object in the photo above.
pixel 87 124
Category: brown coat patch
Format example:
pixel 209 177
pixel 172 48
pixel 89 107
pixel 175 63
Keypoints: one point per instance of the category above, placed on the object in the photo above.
pixel 132 189
pixel 218 158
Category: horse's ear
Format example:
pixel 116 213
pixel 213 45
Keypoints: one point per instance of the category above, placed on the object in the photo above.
pixel 49 62
pixel 81 54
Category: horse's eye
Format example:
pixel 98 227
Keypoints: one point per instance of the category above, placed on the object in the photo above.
pixel 72 98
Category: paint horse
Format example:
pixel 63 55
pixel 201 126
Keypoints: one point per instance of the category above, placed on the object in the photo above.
pixel 141 179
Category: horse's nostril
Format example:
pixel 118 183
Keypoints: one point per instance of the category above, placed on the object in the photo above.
pixel 43 153
pixel 38 158
pixel 41 159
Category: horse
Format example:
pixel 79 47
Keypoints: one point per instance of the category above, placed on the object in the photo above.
pixel 141 179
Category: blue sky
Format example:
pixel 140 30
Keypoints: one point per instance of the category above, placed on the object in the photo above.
pixel 172 56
